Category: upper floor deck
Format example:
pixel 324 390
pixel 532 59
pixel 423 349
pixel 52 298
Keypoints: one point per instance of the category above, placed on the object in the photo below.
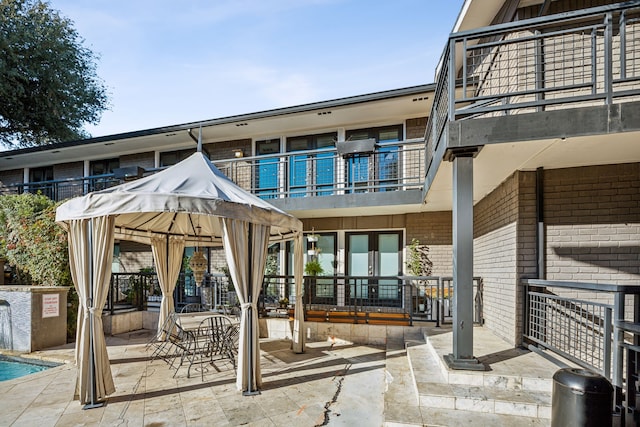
pixel 381 174
pixel 514 92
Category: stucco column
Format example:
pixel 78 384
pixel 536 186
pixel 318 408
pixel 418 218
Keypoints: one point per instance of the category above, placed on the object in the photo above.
pixel 462 355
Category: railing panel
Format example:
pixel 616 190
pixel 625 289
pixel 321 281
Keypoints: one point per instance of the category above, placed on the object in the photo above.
pixel 573 328
pixel 581 58
pixel 394 166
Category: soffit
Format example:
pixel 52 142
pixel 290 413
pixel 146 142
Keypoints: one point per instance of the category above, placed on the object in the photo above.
pixel 496 162
pixel 372 113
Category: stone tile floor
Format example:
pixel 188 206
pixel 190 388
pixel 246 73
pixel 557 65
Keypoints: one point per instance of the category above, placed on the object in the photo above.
pixel 332 383
pixel 328 384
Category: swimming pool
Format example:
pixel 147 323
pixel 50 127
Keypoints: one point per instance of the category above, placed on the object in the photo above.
pixel 14 367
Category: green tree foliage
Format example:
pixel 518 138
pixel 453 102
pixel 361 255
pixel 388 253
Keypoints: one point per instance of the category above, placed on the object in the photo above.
pixel 31 240
pixel 48 82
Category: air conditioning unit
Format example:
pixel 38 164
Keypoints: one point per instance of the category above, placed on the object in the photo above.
pixel 358 147
pixel 128 173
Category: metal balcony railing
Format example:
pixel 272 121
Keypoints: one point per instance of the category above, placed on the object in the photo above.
pixel 426 298
pixel 394 166
pixel 580 58
pixel 587 331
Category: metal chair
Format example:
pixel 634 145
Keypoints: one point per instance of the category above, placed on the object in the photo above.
pixel 193 307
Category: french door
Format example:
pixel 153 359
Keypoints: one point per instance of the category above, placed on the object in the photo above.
pixel 370 256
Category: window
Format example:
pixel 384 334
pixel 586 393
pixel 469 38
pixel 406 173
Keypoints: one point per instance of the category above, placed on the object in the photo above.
pixel 41 175
pixel 170 158
pixel 311 174
pixel 378 172
pixel 322 291
pixel 103 167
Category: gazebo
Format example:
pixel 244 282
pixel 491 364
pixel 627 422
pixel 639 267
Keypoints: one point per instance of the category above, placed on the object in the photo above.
pixel 189 204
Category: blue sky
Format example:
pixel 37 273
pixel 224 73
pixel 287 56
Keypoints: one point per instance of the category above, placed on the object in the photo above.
pixel 170 62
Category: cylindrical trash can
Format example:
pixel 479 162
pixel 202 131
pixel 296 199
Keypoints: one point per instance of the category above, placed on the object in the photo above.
pixel 581 399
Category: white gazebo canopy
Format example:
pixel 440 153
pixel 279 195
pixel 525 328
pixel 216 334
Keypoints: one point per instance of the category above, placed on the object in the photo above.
pixel 189 204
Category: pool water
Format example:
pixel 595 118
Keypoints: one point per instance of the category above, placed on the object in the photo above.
pixel 15 367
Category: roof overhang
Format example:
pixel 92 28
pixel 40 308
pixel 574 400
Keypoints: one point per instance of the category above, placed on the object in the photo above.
pixel 376 109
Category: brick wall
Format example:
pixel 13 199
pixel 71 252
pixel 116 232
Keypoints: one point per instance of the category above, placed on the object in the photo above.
pixel 416 127
pixel 433 229
pixel 134 256
pixel 68 170
pixel 144 160
pixel 592 219
pixel 496 257
pixel 224 150
pixel 11 177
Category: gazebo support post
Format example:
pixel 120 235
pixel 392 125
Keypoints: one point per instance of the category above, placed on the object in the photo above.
pixel 94 403
pixel 249 391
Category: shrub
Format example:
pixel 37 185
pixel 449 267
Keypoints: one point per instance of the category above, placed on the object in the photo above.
pixel 31 241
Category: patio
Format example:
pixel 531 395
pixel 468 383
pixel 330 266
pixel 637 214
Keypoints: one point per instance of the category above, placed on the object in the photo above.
pixel 330 384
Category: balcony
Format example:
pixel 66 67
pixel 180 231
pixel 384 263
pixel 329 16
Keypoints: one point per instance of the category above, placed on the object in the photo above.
pixel 586 58
pixel 393 168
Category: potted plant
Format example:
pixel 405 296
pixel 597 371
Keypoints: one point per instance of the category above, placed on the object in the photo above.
pixel 313 268
pixel 284 302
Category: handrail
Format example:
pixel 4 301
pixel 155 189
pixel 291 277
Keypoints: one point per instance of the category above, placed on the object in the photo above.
pixel 553 322
pixel 394 166
pixel 578 58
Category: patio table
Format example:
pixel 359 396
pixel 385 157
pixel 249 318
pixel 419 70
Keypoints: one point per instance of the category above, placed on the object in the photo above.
pixel 208 336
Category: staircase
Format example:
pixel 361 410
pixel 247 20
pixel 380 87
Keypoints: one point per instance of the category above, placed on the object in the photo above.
pixel 422 391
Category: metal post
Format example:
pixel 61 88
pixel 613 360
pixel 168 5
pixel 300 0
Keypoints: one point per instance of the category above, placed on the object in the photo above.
pixel 623 45
pixel 608 58
pixel 539 67
pixel 452 80
pixel 618 339
pixel 606 348
pixel 462 356
pixel 439 294
pixel 540 237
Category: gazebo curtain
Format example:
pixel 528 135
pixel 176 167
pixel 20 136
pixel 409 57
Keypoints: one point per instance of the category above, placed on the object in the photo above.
pixel 90 257
pixel 167 255
pixel 245 246
pixel 298 322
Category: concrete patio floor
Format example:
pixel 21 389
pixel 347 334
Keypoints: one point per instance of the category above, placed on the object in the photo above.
pixel 328 384
pixel 397 385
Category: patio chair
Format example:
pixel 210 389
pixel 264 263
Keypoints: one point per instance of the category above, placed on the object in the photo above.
pixel 213 340
pixel 183 342
pixel 161 340
pixel 193 307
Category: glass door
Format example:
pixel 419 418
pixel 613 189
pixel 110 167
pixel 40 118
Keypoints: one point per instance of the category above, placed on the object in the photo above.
pixel 371 255
pixel 379 171
pixel 266 170
pixel 311 173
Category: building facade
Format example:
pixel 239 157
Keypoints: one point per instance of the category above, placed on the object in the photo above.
pixel 521 162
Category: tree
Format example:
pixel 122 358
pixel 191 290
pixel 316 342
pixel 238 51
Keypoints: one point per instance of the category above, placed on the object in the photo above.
pixel 48 83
